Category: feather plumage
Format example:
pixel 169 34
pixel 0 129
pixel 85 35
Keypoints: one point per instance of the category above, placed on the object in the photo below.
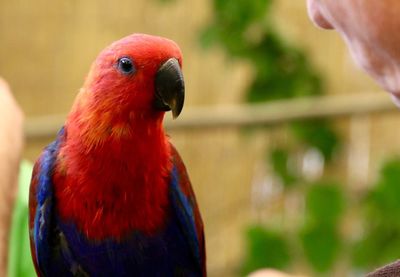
pixel 111 196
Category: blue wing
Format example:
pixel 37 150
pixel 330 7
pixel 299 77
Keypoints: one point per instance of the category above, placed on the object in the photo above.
pixel 46 241
pixel 41 206
pixel 186 210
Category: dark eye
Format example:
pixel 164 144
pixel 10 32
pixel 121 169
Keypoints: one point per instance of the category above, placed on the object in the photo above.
pixel 125 65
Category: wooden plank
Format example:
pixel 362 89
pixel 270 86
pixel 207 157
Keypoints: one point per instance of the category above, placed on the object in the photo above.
pixel 273 113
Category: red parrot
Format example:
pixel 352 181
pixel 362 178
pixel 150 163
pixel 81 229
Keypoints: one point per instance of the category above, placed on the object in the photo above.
pixel 111 195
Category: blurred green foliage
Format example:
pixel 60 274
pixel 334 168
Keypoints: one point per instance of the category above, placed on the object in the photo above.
pixel 281 71
pixel 318 134
pixel 319 236
pixel 265 249
pixel 380 241
pixel 279 159
pixel 244 30
pixel 325 204
pixel 20 262
pixel 321 247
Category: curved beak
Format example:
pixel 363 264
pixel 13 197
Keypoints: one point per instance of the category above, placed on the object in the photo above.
pixel 169 88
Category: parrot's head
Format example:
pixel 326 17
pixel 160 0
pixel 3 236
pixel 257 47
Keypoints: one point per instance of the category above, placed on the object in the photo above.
pixel 136 78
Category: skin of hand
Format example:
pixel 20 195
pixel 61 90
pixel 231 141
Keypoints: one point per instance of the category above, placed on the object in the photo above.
pixel 370 29
pixel 270 273
pixel 11 144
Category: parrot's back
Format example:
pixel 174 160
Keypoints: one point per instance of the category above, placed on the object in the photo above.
pixel 59 248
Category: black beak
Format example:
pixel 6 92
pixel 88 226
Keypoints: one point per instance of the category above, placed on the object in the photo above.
pixel 170 88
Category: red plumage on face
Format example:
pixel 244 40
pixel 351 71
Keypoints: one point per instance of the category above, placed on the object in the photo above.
pixel 131 91
pixel 107 88
pixel 113 169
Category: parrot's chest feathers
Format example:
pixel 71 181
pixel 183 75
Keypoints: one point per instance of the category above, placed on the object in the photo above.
pixel 110 196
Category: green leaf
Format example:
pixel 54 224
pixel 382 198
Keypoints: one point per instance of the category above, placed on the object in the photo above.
pixel 209 36
pixel 321 247
pixel 325 204
pixel 379 246
pixel 238 14
pixel 318 134
pixel 265 248
pixel 20 262
pixel 279 160
pixel 380 242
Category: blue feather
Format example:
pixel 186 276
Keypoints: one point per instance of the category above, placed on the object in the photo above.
pixel 184 213
pixel 62 250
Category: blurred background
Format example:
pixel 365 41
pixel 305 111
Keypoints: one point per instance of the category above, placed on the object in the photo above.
pixel 311 187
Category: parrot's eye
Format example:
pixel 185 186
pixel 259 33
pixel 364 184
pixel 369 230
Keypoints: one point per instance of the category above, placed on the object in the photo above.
pixel 125 65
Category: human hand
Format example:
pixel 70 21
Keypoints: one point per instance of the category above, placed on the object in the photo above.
pixel 270 273
pixel 11 143
pixel 11 123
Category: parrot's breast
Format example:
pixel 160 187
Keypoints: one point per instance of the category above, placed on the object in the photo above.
pixel 114 190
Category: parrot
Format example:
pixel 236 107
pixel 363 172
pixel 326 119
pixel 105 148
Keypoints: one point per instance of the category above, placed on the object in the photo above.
pixel 111 195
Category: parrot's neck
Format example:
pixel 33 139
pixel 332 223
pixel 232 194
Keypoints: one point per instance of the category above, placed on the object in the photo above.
pixel 112 184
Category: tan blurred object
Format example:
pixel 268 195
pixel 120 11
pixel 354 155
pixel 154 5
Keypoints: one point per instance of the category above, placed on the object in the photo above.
pixel 271 273
pixel 11 142
pixel 245 115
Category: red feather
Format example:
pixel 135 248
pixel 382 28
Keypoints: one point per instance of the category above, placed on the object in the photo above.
pixel 106 180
